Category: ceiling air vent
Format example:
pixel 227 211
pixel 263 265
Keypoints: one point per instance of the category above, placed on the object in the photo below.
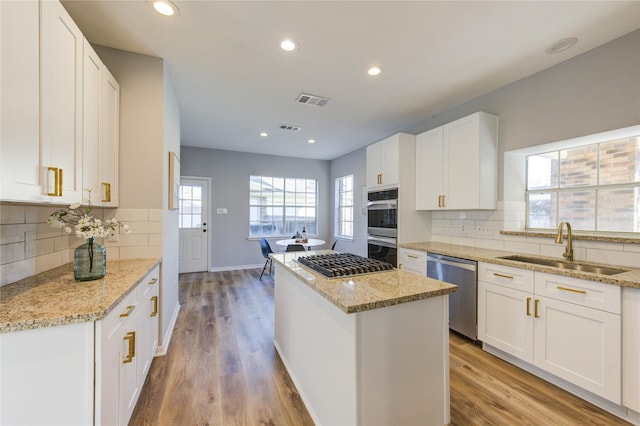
pixel 311 100
pixel 290 127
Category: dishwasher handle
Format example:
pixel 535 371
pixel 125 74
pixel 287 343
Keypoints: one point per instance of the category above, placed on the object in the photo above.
pixel 461 265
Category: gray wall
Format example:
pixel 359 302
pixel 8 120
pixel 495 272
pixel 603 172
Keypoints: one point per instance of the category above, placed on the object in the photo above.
pixel 229 172
pixel 591 93
pixel 354 163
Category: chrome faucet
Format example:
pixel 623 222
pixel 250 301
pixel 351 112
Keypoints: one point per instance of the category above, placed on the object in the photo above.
pixel 568 253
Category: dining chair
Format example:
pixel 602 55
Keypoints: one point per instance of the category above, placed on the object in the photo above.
pixel 266 250
pixel 295 247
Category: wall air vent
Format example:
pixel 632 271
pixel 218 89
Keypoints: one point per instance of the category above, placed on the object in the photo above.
pixel 311 100
pixel 290 127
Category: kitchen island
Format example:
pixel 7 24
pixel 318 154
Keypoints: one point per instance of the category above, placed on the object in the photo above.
pixel 370 349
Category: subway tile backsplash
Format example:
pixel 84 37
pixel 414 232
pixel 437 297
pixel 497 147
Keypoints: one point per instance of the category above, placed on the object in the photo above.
pixel 28 245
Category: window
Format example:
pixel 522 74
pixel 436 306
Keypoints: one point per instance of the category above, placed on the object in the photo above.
pixel 595 187
pixel 190 206
pixel 282 206
pixel 344 206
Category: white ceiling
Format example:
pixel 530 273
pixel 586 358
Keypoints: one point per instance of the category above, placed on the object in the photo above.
pixel 233 81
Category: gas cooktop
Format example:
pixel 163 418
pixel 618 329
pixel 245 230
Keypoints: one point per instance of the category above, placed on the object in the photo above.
pixel 336 265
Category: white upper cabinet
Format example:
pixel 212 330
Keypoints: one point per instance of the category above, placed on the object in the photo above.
pixel 457 165
pixel 61 47
pixel 20 100
pixel 101 102
pixel 383 162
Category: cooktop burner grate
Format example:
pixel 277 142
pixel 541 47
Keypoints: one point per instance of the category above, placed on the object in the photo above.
pixel 335 265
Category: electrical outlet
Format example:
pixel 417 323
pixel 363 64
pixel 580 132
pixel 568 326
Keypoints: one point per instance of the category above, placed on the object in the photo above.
pixel 113 236
pixel 483 231
pixel 463 229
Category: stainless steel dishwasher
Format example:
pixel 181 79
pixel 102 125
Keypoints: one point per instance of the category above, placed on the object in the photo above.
pixel 463 305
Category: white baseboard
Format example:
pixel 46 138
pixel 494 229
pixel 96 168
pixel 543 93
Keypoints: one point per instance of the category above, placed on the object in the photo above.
pixel 166 338
pixel 235 268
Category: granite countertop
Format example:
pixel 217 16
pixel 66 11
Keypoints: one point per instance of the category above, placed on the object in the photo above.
pixel 54 298
pixel 625 279
pixel 364 292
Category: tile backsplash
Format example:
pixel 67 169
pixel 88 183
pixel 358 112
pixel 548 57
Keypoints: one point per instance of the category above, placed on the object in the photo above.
pixel 28 245
pixel 482 229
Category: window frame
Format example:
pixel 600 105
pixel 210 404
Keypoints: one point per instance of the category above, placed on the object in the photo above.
pixel 281 225
pixel 558 189
pixel 339 206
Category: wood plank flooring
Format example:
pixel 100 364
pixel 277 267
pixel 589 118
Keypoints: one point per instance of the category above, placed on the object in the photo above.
pixel 222 369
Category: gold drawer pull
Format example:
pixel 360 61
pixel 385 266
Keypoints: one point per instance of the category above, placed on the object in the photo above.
pixel 412 256
pixel 107 192
pixel 153 281
pixel 528 307
pixel 503 276
pixel 130 309
pixel 573 290
pixel 131 339
pixel 154 299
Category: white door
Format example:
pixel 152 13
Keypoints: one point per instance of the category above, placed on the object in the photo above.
pixel 193 219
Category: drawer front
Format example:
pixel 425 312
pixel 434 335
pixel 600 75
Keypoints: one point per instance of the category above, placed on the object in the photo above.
pixel 413 261
pixel 121 312
pixel 520 279
pixel 592 294
pixel 151 281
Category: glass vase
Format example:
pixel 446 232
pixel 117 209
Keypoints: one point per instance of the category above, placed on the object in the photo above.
pixel 89 261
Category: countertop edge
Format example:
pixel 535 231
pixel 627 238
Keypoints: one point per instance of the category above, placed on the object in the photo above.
pixel 493 256
pixel 365 306
pixel 68 319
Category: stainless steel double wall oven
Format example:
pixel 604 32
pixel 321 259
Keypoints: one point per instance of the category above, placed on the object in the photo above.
pixel 382 225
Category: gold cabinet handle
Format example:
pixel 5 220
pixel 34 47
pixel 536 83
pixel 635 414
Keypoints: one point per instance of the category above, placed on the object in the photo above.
pixel 153 281
pixel 443 204
pixel 535 308
pixel 503 275
pixel 57 181
pixel 573 290
pixel 528 306
pixel 439 200
pixel 412 256
pixel 106 186
pixel 379 178
pixel 154 299
pixel 130 337
pixel 130 309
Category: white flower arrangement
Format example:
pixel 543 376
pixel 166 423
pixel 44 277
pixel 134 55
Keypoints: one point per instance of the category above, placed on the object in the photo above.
pixel 78 220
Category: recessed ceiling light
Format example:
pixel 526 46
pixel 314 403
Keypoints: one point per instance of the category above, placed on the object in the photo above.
pixel 311 140
pixel 561 45
pixel 165 7
pixel 264 134
pixel 288 45
pixel 373 71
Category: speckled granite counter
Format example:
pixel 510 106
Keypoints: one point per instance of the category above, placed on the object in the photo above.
pixel 368 291
pixel 54 298
pixel 626 279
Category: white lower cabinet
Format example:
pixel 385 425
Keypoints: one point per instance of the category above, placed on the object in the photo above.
pixel 128 338
pixel 568 327
pixel 412 261
pixel 631 348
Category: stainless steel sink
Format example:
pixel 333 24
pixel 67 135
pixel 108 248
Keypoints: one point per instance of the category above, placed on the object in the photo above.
pixel 563 264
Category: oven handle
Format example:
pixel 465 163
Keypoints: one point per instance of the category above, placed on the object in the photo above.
pixel 382 241
pixel 382 205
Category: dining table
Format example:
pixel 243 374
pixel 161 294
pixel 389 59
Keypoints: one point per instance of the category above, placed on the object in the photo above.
pixel 309 244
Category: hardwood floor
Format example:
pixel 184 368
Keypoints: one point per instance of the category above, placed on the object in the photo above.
pixel 222 369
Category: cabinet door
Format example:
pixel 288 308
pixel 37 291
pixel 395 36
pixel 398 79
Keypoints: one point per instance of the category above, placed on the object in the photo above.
pixel 374 168
pixel 505 319
pixel 631 348
pixel 20 100
pixel 390 161
pixel 429 169
pixel 91 73
pixel 130 363
pixel 462 163
pixel 580 345
pixel 109 139
pixel 61 46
